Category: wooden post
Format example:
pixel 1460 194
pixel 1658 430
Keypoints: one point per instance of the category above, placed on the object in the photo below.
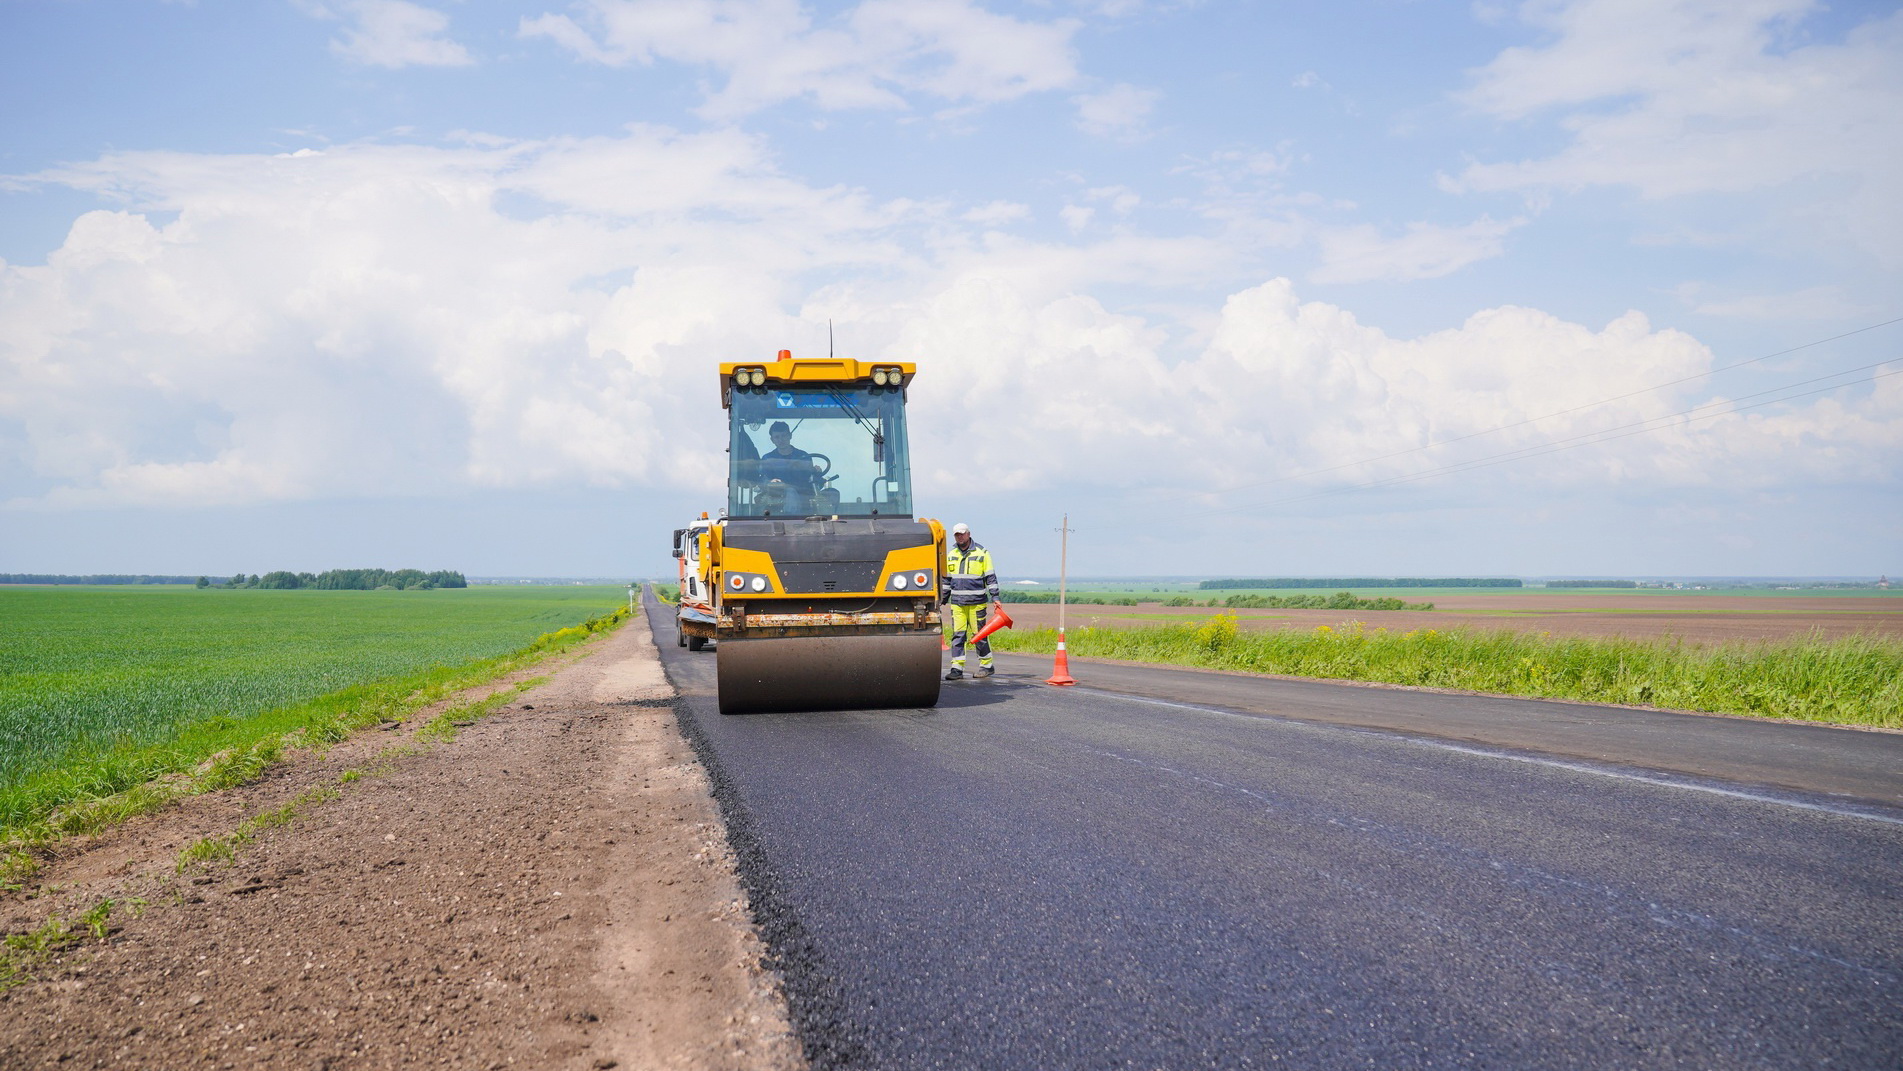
pixel 1060 669
pixel 1063 569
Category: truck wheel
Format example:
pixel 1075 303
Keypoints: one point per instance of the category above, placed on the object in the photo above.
pixel 680 638
pixel 695 643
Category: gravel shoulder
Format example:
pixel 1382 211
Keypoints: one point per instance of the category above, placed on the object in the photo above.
pixel 550 888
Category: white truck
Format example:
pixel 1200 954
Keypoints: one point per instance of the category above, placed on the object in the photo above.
pixel 694 611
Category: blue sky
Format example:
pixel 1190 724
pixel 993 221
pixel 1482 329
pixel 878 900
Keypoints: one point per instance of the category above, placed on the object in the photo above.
pixel 1245 288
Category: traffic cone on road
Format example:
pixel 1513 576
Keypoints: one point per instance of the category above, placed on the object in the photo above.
pixel 1060 673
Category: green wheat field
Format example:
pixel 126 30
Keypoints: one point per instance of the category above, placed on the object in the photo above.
pixel 101 687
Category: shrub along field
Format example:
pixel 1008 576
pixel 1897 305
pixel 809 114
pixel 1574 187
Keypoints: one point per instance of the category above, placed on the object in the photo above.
pixel 1856 680
pixel 104 688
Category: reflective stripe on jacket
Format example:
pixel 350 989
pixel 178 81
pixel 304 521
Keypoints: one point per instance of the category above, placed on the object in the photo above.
pixel 969 577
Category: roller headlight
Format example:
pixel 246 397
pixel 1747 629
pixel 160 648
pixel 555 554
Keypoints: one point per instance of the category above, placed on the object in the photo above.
pixel 758 583
pixel 878 377
pixel 759 377
pixel 899 581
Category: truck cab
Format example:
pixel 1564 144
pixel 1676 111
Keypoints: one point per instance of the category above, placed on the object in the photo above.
pixel 694 621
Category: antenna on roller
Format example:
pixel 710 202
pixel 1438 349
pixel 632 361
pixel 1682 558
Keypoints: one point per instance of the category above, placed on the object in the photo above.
pixel 829 338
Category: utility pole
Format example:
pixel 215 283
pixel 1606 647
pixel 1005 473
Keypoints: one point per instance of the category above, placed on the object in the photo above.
pixel 1060 671
pixel 1063 568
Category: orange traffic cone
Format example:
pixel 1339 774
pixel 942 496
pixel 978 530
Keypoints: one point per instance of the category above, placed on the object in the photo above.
pixel 1060 673
pixel 1003 620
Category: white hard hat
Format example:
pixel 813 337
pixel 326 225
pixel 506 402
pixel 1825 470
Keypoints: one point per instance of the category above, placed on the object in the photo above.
pixel 961 528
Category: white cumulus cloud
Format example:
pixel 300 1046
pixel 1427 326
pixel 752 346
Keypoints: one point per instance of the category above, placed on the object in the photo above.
pixel 1362 254
pixel 394 320
pixel 395 33
pixel 878 54
pixel 1122 111
pixel 1694 97
pixel 997 213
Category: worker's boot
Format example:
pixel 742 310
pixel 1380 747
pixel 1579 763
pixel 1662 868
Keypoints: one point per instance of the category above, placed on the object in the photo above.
pixel 983 671
pixel 954 674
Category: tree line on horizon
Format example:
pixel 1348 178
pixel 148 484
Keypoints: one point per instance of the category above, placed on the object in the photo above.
pixel 1365 582
pixel 346 580
pixel 1073 598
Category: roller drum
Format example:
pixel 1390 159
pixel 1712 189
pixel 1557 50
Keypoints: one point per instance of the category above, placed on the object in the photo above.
pixel 828 672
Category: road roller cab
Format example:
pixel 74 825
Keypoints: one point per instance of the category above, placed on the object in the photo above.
pixel 824 586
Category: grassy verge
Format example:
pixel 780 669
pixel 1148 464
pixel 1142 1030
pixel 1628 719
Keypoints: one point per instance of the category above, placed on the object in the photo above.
pixel 440 729
pixel 225 848
pixel 443 727
pixel 93 793
pixel 1856 680
pixel 21 952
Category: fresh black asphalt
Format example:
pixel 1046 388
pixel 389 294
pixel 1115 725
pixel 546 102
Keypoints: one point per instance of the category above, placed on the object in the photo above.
pixel 1031 877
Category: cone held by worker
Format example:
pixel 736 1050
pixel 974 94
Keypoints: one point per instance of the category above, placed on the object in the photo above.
pixel 970 584
pixel 999 619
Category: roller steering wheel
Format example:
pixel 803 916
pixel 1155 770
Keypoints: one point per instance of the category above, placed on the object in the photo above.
pixel 824 469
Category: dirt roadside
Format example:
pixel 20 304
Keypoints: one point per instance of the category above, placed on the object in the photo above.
pixel 551 888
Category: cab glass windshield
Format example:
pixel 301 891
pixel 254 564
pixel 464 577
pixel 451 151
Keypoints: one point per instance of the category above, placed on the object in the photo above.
pixel 818 451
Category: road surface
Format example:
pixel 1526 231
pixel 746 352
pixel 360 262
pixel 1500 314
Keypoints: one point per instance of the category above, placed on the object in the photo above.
pixel 1030 877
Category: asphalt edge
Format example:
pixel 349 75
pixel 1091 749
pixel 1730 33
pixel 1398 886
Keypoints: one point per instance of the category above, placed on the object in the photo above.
pixel 816 1005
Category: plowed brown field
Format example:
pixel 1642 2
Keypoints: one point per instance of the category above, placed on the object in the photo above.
pixel 1692 618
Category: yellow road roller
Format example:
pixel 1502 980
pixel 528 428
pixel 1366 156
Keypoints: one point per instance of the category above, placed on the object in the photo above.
pixel 823 585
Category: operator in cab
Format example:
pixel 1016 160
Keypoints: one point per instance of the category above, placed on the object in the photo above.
pixel 970 586
pixel 789 467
